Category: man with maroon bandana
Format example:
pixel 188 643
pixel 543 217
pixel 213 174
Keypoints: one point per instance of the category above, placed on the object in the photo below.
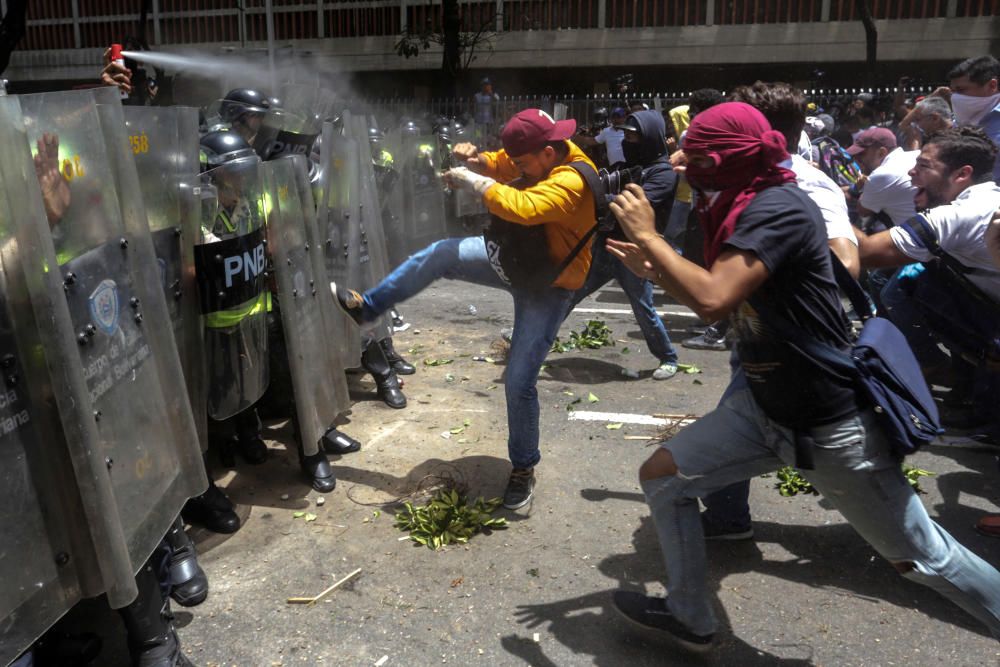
pixel 769 269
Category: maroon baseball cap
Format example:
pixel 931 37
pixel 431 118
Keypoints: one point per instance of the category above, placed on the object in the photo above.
pixel 873 136
pixel 531 129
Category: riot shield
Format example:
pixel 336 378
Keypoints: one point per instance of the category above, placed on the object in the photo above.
pixel 230 268
pixel 116 304
pixel 286 132
pixel 370 221
pixel 62 536
pixel 100 387
pixel 422 219
pixel 318 382
pixel 164 143
pixel 336 211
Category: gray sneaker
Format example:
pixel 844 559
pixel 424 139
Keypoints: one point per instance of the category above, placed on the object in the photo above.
pixel 710 340
pixel 665 371
pixel 520 488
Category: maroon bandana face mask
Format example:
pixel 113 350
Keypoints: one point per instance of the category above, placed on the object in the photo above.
pixel 746 153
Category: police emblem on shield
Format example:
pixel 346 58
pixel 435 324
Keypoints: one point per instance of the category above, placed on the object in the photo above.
pixel 104 306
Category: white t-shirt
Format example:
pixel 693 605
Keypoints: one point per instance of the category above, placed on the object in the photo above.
pixel 826 195
pixel 889 189
pixel 612 140
pixel 805 147
pixel 960 227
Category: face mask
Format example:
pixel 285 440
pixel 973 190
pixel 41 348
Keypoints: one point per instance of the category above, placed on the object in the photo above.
pixel 969 109
pixel 632 152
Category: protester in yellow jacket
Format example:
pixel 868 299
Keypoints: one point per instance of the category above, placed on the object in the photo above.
pixel 527 183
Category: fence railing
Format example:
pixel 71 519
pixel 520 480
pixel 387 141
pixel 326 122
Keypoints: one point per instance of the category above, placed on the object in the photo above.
pixel 388 112
pixel 62 24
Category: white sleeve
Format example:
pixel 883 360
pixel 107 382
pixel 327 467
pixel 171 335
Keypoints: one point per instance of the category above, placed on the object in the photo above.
pixel 909 244
pixel 828 197
pixel 804 149
pixel 833 206
pixel 602 136
pixel 873 197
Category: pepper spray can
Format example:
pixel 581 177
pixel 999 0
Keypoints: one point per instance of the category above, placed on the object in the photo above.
pixel 116 57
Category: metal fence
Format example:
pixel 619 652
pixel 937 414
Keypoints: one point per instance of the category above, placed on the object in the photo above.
pixel 62 24
pixel 389 112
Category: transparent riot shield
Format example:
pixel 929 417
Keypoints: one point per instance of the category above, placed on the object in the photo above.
pixel 164 143
pixel 377 266
pixel 112 289
pixel 97 382
pixel 286 132
pixel 231 274
pixel 340 328
pixel 318 383
pixel 423 218
pixel 336 210
pixel 63 536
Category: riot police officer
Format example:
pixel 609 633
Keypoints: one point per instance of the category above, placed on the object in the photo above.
pixel 243 109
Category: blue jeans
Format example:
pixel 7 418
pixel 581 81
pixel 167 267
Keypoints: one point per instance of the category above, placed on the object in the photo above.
pixel 854 470
pixel 677 224
pixel 537 316
pixel 903 308
pixel 604 266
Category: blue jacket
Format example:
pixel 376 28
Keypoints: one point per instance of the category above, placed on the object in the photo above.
pixel 659 181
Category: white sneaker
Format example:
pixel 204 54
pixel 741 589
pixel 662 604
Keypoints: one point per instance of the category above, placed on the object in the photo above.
pixel 665 371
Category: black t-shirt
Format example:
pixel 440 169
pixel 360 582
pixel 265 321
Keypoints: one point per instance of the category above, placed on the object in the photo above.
pixel 785 229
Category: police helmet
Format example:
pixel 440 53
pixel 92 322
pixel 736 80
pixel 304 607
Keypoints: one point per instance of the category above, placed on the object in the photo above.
pixel 241 101
pixel 375 136
pixel 222 146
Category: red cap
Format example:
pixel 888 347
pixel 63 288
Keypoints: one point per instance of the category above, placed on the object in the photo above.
pixel 116 52
pixel 531 129
pixel 873 136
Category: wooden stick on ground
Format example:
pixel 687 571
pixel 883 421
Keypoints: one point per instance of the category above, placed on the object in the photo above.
pixel 314 600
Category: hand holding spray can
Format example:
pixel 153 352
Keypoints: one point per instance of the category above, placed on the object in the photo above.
pixel 118 59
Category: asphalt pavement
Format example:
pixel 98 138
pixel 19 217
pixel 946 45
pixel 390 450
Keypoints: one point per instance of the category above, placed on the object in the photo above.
pixel 806 591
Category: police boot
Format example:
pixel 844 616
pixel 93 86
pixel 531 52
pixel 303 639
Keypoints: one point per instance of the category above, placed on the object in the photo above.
pixel 248 441
pixel 152 641
pixel 398 363
pixel 188 583
pixel 338 443
pixel 213 510
pixel 373 360
pixel 317 469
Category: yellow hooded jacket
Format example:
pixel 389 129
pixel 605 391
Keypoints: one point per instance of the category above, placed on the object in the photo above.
pixel 679 117
pixel 562 202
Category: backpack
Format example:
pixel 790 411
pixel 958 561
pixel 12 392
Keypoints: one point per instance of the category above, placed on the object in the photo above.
pixel 519 254
pixel 976 330
pixel 835 162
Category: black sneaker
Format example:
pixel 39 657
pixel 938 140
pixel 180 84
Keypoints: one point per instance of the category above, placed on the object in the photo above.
pixel 349 301
pixel 519 488
pixel 714 531
pixel 652 614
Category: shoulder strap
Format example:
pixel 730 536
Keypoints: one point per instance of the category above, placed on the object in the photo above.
pixel 919 229
pixel 852 289
pixel 593 181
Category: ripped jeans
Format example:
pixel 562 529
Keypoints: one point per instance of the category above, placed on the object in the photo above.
pixel 854 471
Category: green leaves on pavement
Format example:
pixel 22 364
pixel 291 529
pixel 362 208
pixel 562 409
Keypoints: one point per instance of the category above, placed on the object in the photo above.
pixel 448 519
